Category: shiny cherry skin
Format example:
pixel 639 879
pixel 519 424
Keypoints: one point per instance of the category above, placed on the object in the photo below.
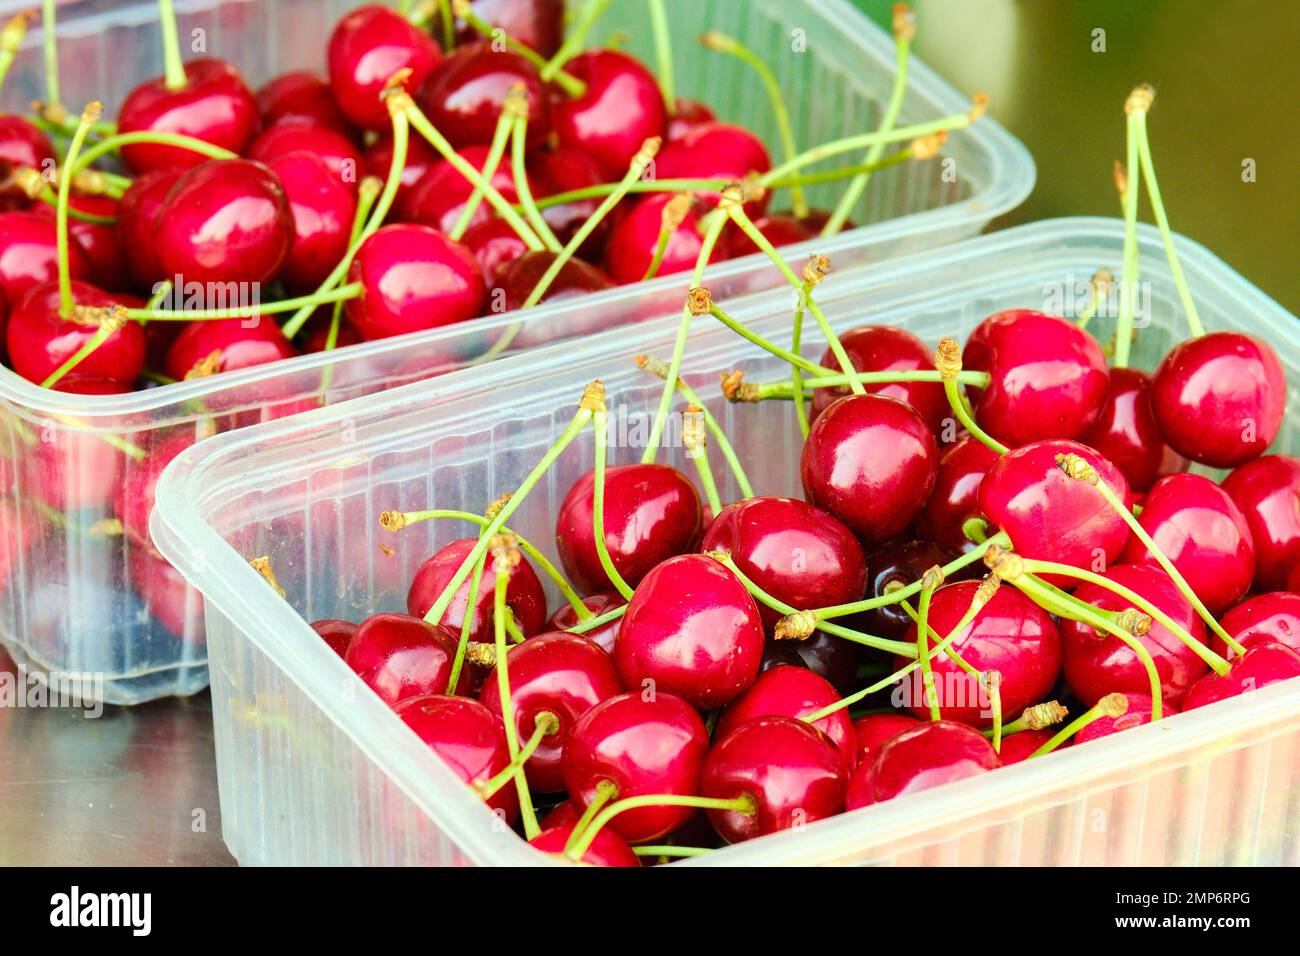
pixel 562 814
pixel 885 348
pixel 71 470
pixel 780 229
pixel 642 744
pixel 22 144
pixel 1264 663
pixel 1293 584
pixel 896 564
pixel 689 114
pixel 562 674
pixel 137 492
pixel 1203 532
pixel 29 255
pixel 829 657
pixel 871 462
pixel 788 768
pixel 38 340
pixel 215 106
pixel 414 278
pixel 652 512
pixel 420 158
pixel 468 737
pixel 1048 377
pixel 785 691
pixel 602 602
pixel 620 109
pixel 1051 516
pixel 464 95
pixel 1126 431
pixel 137 224
pixel 537 24
pixel 323 209
pixel 335 633
pixel 227 220
pixel 1138 714
pixel 795 552
pixel 524 594
pixel 439 197
pixel 496 247
pixel 400 657
pixel 955 498
pixel 692 629
pixel 102 243
pixel 1097 664
pixel 301 96
pixel 633 241
pixel 1219 398
pixel 339 154
pixel 926 756
pixel 1012 636
pixel 226 345
pixel 562 170
pixel 1271 617
pixel 1020 746
pixel 714 151
pixel 367 47
pixel 1267 490
pixel 607 849
pixel 874 729
pixel 575 278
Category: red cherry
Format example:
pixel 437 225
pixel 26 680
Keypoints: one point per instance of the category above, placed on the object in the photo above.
pixel 29 255
pixel 789 769
pixel 688 115
pixel 39 341
pixel 955 498
pixel 496 247
pixel 829 657
pixel 537 24
pixel 563 814
pixel 167 596
pixel 620 109
pixel 1012 636
pixel 1126 431
pixel 137 225
pixel 439 197
pixel 562 170
pixel 301 96
pixel 524 594
pixel 71 470
pixel 607 849
pixel 227 220
pixel 22 144
pixel 930 755
pixel 468 737
pixel 691 629
pixel 1294 583
pixel 415 278
pixel 786 691
pixel 714 151
pixel 226 345
pixel 331 147
pixel 884 348
pixel 791 550
pixel 562 674
pixel 1051 516
pixel 1219 398
pixel 895 564
pixel 780 229
pixel 1097 664
pixel 136 494
pixel 575 278
pixel 1273 617
pixel 400 657
pixel 102 243
pixel 1138 713
pixel 874 729
pixel 367 47
pixel 633 242
pixel 602 602
pixel 323 210
pixel 1265 662
pixel 871 462
pixel 642 745
pixel 1202 531
pixel 337 634
pixel 464 95
pixel 1020 746
pixel 1048 377
pixel 652 512
pixel 214 106
pixel 420 158
pixel 1267 490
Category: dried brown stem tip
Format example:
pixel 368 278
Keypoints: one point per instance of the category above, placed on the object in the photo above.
pixel 461 9
pixel 515 105
pixel 90 181
pixel 593 397
pixel 717 40
pixel 904 24
pixel 984 593
pixel 817 268
pixel 91 114
pixel 205 367
pixel 1140 99
pixel 11 37
pixel 494 509
pixel 505 551
pixel 648 151
pixel 392 520
pixel 752 188
pixel 947 359
pixel 699 301
pixel 1007 565
pixel 1041 716
pixel 28 181
pixel 1120 175
pixel 485 655
pixel 979 105
pixel 1102 280
pixel 798 626
pixel 736 389
pixel 1133 621
pixel 90 314
pixel 733 194
pixel 370 186
pixel 927 147
pixel 933 578
pixel 394 92
pixel 652 365
pixel 675 211
pixel 694 432
pixel 50 112
pixel 1078 468
pixel 262 566
pixel 1113 705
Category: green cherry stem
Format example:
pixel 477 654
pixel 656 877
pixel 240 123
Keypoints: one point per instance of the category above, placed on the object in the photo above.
pixel 606 790
pixel 741 804
pixel 673 215
pixel 668 849
pixel 949 652
pixel 447 22
pixel 544 724
pixel 492 162
pixel 50 44
pixel 992 684
pixel 11 39
pixel 173 67
pixel 524 189
pixel 342 294
pixel 1126 179
pixel 599 426
pixel 504 557
pixel 1112 705
pixel 367 193
pixel 796 374
pixel 663 54
pixel 947 361
pixel 574 42
pixel 797 361
pixel 466 624
pixel 788 390
pixel 695 440
pixel 591 624
pixel 89 116
pixel 110 322
pixel 928 583
pixel 114 143
pixel 572 86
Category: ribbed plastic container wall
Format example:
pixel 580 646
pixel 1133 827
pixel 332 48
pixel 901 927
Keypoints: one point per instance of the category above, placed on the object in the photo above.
pixel 78 599
pixel 314 769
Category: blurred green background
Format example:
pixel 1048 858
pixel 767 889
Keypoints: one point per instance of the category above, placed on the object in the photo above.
pixel 1227 75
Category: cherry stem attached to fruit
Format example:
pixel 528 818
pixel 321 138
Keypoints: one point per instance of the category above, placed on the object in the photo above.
pixel 606 790
pixel 947 361
pixel 1112 705
pixel 572 86
pixel 49 30
pixel 787 389
pixel 576 39
pixel 663 54
pixel 991 681
pixel 110 322
pixel 503 559
pixel 744 803
pixel 89 116
pixel 929 582
pixel 1126 178
pixel 519 169
pixel 601 620
pixel 46 194
pixel 599 426
pixel 950 652
pixel 492 162
pixel 11 39
pixel 173 67
pixel 157 137
pixel 695 441
pixel 674 214
pixel 544 724
pixel 904 27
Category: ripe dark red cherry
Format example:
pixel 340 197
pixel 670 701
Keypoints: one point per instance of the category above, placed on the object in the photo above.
pixel 323 208
pixel 224 345
pixel 400 657
pixel 1267 490
pixel 643 744
pixel 537 24
pixel 439 197
pixel 1267 617
pixel 1294 583
pixel 29 255
pixel 420 158
pixel 652 512
pixel 955 498
pixel 415 278
pixel 137 492
pixel 688 115
pixel 780 229
pixel 692 630
pixel 464 95
pixel 338 153
pixel 1051 516
pixel 1020 746
pixel 1202 531
pixel 524 594
pixel 874 729
pixel 561 674
pixel 1138 714
pixel 714 151
pixel 1012 635
pixel 1048 377
pixel 620 109
pixel 1219 398
pixel 793 551
pixel 1097 664
pixel 227 220
pixel 469 738
pixel 496 247
pixel 793 774
pixel 899 564
pixel 829 657
pixel 786 691
pixel 1126 431
pixel 575 278
pixel 337 634
pixel 871 462
pixel 137 224
pixel 1264 663
pixel 602 602
pixel 929 755
pixel 301 96
pixel 885 348
pixel 101 242
pixel 633 242
pixel 607 849
pixel 367 47
pixel 39 341
pixel 22 144
pixel 561 170
pixel 215 106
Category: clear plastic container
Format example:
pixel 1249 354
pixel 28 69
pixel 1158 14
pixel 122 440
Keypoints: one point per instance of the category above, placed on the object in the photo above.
pixel 314 769
pixel 78 599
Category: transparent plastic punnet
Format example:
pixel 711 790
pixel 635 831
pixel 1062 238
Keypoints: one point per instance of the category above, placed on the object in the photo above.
pixel 81 599
pixel 314 769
